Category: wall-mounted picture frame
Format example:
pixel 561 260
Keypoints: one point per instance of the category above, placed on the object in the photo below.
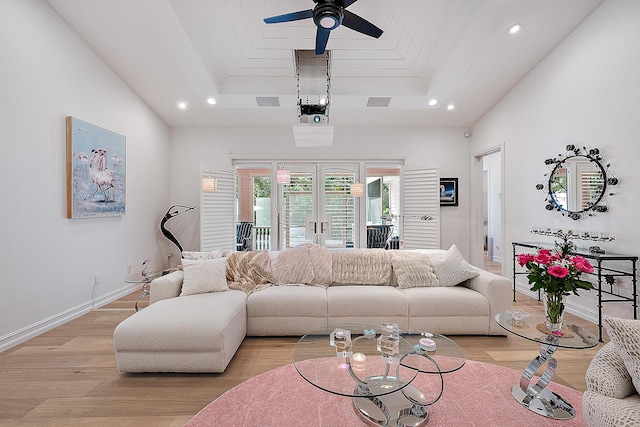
pixel 448 191
pixel 96 171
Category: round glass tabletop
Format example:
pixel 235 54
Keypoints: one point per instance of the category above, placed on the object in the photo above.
pixel 448 355
pixel 525 325
pixel 344 369
pixel 327 367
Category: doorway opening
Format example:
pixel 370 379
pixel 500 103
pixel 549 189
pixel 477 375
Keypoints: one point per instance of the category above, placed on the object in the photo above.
pixel 489 214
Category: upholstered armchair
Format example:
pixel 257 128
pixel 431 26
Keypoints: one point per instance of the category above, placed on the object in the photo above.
pixel 611 400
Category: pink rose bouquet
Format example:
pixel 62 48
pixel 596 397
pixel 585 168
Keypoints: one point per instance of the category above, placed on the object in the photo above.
pixel 556 273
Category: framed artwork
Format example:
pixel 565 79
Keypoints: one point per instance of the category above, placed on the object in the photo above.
pixel 96 171
pixel 448 191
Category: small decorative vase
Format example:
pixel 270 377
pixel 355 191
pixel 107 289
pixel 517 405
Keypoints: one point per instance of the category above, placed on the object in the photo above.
pixel 554 304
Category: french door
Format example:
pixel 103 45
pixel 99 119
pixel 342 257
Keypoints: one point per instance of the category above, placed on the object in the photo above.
pixel 317 205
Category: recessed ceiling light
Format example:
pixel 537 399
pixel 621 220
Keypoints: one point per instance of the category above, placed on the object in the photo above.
pixel 433 102
pixel 513 29
pixel 451 107
pixel 182 105
pixel 211 101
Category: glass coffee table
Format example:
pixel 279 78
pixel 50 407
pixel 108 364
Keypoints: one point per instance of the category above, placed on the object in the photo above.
pixel 375 367
pixel 536 397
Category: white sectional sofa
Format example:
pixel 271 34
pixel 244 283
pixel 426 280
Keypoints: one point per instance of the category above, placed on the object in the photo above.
pixel 198 317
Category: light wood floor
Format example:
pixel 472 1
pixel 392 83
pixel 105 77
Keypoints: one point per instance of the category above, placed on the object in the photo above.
pixel 67 376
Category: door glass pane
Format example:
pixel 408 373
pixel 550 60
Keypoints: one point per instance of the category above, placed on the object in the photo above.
pixel 262 210
pixel 297 207
pixel 383 207
pixel 253 201
pixel 338 223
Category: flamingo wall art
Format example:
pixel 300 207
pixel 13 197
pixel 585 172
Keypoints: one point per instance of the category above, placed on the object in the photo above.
pixel 96 171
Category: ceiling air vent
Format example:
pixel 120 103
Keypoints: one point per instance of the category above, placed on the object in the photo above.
pixel 268 101
pixel 378 101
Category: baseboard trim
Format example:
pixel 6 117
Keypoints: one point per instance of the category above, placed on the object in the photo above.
pixel 21 335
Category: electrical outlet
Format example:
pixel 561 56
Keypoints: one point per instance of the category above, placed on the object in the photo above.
pixel 96 280
pixel 128 269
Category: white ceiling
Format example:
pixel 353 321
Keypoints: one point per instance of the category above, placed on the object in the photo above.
pixel 457 51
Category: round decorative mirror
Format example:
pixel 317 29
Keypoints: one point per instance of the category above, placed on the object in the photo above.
pixel 577 183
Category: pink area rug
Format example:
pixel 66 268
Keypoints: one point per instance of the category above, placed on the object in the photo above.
pixel 477 395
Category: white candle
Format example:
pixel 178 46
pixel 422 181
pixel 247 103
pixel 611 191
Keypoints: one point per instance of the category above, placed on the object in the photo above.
pixel 357 361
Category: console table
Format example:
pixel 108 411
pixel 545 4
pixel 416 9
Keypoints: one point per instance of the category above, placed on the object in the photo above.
pixel 603 270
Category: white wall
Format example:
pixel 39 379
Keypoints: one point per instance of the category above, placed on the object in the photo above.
pixel 445 148
pixel 585 92
pixel 48 261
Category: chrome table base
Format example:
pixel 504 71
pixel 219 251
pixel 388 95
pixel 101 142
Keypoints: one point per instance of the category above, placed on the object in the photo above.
pixel 394 409
pixel 536 397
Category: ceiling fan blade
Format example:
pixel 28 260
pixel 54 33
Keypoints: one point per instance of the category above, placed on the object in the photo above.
pixel 360 25
pixel 288 17
pixel 322 37
pixel 345 3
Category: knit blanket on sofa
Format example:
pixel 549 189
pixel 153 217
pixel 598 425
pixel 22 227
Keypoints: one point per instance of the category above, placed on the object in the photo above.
pixel 249 271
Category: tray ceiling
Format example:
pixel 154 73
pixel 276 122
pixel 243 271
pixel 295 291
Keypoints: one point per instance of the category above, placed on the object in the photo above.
pixel 455 51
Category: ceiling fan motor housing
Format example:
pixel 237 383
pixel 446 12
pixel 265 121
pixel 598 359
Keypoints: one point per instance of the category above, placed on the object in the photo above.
pixel 327 15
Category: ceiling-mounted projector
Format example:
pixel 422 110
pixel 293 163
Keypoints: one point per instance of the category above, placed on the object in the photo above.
pixel 316 119
pixel 313 113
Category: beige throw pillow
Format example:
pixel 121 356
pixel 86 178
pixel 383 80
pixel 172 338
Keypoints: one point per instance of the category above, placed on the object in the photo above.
pixel 412 270
pixel 452 269
pixel 202 276
pixel 625 334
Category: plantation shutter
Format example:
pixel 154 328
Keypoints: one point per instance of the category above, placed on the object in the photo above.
pixel 591 185
pixel 421 208
pixel 296 209
pixel 217 218
pixel 340 208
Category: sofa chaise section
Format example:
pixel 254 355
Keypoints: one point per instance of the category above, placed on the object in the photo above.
pixel 195 333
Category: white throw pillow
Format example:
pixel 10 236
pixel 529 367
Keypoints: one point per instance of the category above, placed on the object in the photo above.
pixel 412 270
pixel 452 269
pixel 201 276
pixel 625 334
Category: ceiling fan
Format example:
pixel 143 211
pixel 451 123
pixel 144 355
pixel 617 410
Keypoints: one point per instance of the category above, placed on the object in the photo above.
pixel 329 15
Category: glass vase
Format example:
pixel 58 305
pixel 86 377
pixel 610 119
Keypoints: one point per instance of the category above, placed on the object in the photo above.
pixel 554 304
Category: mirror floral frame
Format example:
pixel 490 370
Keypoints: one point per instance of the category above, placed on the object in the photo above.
pixel 598 185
